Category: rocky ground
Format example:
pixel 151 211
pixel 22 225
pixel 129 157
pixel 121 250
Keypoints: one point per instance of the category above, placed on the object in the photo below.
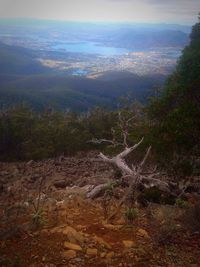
pixel 48 221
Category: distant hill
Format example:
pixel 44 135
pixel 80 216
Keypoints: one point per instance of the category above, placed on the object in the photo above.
pixel 17 60
pixel 130 35
pixel 23 79
pixel 75 93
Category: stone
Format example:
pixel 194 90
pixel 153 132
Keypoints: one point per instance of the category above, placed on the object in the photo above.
pixel 72 235
pixel 110 255
pixel 70 254
pixel 128 243
pixel 92 252
pixel 112 227
pixel 143 233
pixel 61 184
pixel 72 246
pixel 30 162
pixel 102 242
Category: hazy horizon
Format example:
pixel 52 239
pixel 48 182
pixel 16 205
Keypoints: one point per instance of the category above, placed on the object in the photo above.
pixel 181 12
pixel 145 23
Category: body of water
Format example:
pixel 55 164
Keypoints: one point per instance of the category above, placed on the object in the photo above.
pixel 79 72
pixel 90 48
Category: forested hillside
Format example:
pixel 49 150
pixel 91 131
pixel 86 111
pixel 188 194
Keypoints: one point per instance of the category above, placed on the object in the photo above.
pixel 176 112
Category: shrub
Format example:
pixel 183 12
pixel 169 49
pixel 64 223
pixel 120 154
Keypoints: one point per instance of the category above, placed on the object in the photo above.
pixel 150 195
pixel 182 203
pixel 109 189
pixel 131 214
pixel 38 218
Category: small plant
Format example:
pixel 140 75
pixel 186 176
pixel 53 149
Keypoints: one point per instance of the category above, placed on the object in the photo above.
pixel 182 203
pixel 109 189
pixel 38 218
pixel 131 214
pixel 38 215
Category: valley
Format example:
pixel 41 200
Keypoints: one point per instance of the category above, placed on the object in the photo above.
pixel 88 49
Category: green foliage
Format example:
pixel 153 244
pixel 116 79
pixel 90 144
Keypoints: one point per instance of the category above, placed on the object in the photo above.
pixel 109 188
pixel 25 134
pixel 150 195
pixel 175 113
pixel 182 203
pixel 131 214
pixel 39 218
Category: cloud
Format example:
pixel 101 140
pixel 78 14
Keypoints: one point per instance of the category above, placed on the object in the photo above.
pixel 171 11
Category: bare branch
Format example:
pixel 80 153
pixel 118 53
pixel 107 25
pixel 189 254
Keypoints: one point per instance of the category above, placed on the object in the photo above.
pixel 100 141
pixel 145 158
pixel 124 126
pixel 130 149
pixel 105 158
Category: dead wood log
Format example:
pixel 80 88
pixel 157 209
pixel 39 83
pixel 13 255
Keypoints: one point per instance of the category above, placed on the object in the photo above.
pixel 135 173
pixel 96 191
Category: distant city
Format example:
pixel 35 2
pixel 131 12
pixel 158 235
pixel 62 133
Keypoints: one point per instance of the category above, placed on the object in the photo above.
pixel 89 50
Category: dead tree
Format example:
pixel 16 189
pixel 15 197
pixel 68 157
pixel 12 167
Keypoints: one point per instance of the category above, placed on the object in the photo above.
pixel 134 174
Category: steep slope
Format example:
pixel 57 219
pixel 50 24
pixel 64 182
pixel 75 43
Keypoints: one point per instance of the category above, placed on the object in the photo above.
pixel 75 93
pixel 19 61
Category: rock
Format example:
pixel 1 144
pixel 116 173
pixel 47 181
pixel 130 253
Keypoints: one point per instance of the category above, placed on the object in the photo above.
pixel 30 162
pixel 72 246
pixel 121 221
pixel 112 227
pixel 143 233
pixel 61 183
pixel 102 242
pixel 78 260
pixel 97 191
pixel 110 255
pixel 92 251
pixel 128 243
pixel 72 235
pixel 70 254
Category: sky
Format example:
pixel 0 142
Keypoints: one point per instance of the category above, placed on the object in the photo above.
pixel 150 11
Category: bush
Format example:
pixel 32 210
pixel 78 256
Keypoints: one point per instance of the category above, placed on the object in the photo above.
pixel 150 195
pixel 131 214
pixel 109 189
pixel 182 203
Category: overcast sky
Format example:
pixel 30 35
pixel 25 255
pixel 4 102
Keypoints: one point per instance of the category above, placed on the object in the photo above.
pixel 168 11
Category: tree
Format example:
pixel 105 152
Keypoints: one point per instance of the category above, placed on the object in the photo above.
pixel 176 112
pixel 134 174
